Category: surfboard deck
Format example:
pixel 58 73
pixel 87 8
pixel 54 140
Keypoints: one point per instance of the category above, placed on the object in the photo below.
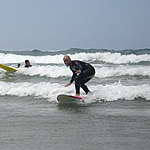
pixel 7 68
pixel 62 98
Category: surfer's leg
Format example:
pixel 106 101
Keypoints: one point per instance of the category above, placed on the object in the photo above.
pixel 85 88
pixel 86 77
pixel 80 82
pixel 77 86
pixel 82 78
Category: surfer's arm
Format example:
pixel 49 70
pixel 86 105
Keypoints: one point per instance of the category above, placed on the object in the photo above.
pixel 73 77
pixel 68 84
pixel 78 72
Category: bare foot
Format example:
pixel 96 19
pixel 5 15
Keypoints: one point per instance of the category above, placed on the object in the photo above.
pixel 77 94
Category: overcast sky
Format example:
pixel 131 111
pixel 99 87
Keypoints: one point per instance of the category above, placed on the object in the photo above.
pixel 64 24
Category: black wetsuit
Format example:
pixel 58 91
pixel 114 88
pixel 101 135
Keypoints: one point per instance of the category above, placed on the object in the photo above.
pixel 27 66
pixel 87 72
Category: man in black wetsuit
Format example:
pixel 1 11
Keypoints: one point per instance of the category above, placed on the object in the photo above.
pixel 82 73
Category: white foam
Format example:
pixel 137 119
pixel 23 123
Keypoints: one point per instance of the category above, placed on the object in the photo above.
pixel 50 91
pixel 52 71
pixel 42 89
pixel 118 91
pixel 12 58
pixel 114 58
pixel 104 72
pixel 55 71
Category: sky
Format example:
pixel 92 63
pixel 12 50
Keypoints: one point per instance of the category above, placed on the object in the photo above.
pixel 65 24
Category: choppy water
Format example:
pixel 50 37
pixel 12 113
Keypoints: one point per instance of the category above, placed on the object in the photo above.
pixel 115 116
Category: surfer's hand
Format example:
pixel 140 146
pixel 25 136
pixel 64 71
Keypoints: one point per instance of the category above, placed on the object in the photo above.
pixel 68 84
pixel 78 71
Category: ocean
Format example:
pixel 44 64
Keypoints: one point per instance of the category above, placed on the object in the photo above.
pixel 114 116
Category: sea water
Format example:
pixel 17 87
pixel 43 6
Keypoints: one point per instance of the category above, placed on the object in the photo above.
pixel 115 115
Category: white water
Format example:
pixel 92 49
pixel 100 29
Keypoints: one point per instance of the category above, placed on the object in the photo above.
pixel 50 91
pixel 37 80
pixel 114 58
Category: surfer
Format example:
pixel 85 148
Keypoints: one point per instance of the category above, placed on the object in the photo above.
pixel 19 65
pixel 82 73
pixel 27 64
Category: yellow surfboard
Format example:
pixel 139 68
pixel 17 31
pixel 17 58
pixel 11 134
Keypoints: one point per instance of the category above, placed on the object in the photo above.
pixel 7 68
